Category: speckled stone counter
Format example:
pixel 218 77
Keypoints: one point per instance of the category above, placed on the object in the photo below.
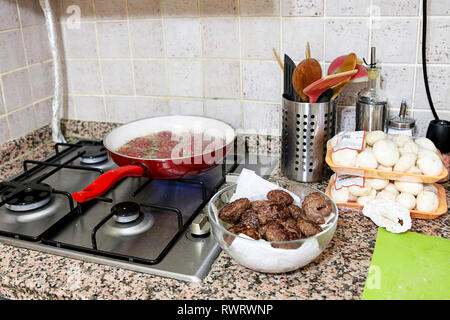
pixel 339 273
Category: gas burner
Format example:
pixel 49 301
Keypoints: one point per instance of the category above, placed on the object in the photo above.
pixel 94 154
pixel 126 212
pixel 28 199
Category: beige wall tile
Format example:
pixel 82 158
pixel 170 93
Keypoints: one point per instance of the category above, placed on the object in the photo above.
pixel 36 44
pixel 266 8
pixel 396 38
pixel 218 7
pixel 185 78
pixel 117 77
pixel 220 37
pixel 398 82
pixel 4 130
pixel 113 40
pixel 147 39
pixel 186 107
pixel 347 8
pixel 343 36
pixel 260 116
pixel 144 9
pixel 439 7
pixel 9 17
pixel 2 107
pixel 308 8
pixel 438 41
pixel 84 77
pixel 12 54
pixel 222 79
pixel 259 36
pixel 439 82
pixel 224 110
pixel 180 8
pixel 151 107
pixel 80 42
pixel 261 81
pixel 30 13
pixel 43 112
pixel 42 80
pixel 68 111
pixel 110 9
pixel 150 77
pixel 297 32
pixel 395 8
pixel 120 109
pixel 17 89
pixel 21 122
pixel 90 108
pixel 182 38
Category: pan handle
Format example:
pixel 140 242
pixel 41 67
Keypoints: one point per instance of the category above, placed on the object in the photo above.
pixel 103 183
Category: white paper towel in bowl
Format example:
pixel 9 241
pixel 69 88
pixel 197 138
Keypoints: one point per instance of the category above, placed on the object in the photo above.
pixel 253 187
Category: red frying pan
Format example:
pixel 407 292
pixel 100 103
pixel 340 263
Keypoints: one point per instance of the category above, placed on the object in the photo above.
pixel 167 167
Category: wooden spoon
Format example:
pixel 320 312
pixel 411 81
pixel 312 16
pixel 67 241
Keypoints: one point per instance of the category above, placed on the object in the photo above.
pixel 348 64
pixel 307 71
pixel 315 89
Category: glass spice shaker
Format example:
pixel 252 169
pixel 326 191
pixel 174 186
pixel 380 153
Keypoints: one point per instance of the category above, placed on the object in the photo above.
pixel 402 124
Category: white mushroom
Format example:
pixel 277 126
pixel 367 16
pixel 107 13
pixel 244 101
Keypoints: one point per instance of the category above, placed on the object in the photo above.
pixel 407 200
pixel 430 165
pixel 340 195
pixel 360 191
pixel 366 159
pixel 427 201
pixel 374 136
pixel 410 187
pixel 409 147
pixel 383 194
pixel 391 188
pixel 344 157
pixel 386 152
pixel 405 162
pixel 426 143
pixel 401 139
pixel 377 184
pixel 363 200
pixel 414 170
pixel 384 168
pixel 430 187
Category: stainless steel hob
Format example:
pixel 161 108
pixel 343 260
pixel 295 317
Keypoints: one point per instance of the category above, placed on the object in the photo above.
pixel 151 226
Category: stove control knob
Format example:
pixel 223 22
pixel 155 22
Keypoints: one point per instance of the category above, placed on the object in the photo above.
pixel 200 226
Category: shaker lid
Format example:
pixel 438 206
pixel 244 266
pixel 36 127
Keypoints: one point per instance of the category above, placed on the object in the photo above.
pixel 402 121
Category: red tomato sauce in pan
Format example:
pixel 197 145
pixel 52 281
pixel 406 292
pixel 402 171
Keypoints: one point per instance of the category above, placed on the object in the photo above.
pixel 165 145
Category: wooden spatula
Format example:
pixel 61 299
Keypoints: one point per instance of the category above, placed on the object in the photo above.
pixel 307 71
pixel 348 64
pixel 315 89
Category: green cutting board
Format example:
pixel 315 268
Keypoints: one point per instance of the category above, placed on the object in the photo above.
pixel 408 266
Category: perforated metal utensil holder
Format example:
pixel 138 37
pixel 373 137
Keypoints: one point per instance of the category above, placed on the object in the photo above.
pixel 306 129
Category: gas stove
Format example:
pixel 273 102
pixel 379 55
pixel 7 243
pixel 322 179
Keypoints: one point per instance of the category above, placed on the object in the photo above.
pixel 146 225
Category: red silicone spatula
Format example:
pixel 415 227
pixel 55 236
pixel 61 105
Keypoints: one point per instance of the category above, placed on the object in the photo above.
pixel 315 89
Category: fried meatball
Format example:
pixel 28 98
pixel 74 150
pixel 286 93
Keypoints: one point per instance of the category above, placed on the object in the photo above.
pixel 250 218
pixel 295 211
pixel 291 226
pixel 280 196
pixel 232 212
pixel 247 230
pixel 272 211
pixel 308 228
pixel 275 231
pixel 259 203
pixel 316 207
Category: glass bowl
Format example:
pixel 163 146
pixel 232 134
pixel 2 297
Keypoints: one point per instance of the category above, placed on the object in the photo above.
pixel 265 256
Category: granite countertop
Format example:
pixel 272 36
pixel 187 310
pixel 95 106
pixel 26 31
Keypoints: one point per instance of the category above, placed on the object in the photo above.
pixel 339 273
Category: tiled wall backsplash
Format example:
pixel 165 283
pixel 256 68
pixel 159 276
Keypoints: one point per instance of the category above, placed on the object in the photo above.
pixel 127 59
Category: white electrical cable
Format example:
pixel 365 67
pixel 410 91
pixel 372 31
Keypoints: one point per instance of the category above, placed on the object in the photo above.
pixel 57 135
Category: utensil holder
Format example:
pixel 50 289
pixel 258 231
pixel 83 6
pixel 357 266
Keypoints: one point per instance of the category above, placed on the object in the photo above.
pixel 306 129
